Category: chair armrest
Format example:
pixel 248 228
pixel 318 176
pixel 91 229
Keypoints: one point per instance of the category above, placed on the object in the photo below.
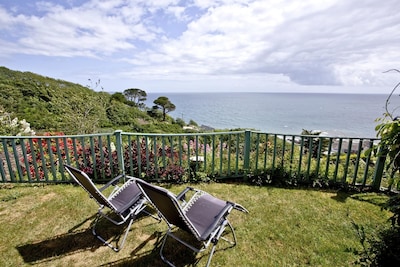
pixel 182 195
pixel 112 182
pixel 240 208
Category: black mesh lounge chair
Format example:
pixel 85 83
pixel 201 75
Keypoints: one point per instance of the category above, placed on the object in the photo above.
pixel 203 216
pixel 125 201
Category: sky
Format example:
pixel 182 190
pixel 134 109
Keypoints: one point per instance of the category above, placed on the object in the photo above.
pixel 341 46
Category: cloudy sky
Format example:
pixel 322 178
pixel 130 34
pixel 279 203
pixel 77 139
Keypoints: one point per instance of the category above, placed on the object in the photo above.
pixel 206 45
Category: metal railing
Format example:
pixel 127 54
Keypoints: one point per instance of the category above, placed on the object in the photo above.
pixel 261 157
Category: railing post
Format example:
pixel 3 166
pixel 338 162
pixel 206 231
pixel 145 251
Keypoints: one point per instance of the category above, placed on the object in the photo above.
pixel 246 163
pixel 118 146
pixel 380 166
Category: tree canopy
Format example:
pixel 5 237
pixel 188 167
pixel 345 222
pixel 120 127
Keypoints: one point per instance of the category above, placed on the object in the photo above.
pixel 136 96
pixel 165 104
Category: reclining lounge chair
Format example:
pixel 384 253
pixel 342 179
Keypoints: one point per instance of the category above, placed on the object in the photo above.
pixel 203 216
pixel 126 202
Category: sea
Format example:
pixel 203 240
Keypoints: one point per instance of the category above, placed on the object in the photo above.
pixel 334 115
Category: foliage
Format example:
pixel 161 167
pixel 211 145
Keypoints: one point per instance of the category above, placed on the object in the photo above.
pixel 384 248
pixel 49 104
pixel 180 122
pixel 165 104
pixel 40 150
pixel 388 130
pixel 136 96
pixel 313 144
pixel 192 122
pixel 12 126
pixel 100 165
pixel 121 114
pixel 393 205
pixel 143 160
pixel 118 97
pixel 281 178
pixel 52 105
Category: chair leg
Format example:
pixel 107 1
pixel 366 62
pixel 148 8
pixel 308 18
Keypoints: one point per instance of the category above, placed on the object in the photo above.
pixel 162 248
pixel 211 254
pixel 233 243
pixel 115 248
pixel 216 238
pixel 214 242
pixel 126 234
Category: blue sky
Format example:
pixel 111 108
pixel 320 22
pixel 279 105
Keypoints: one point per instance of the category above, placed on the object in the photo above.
pixel 206 45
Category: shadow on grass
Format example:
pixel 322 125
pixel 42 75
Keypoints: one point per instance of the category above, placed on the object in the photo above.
pixel 60 245
pixel 173 250
pixel 74 241
pixel 77 240
pixel 341 196
pixel 378 199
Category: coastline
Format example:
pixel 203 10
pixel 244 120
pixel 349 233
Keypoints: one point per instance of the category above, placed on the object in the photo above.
pixel 338 115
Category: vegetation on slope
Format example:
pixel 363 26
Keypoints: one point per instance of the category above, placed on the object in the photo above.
pixel 55 105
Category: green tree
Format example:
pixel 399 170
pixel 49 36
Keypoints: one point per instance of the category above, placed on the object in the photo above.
pixel 316 143
pixel 165 104
pixel 118 97
pixel 180 122
pixel 136 96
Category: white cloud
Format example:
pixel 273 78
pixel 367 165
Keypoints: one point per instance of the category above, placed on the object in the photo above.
pixel 333 42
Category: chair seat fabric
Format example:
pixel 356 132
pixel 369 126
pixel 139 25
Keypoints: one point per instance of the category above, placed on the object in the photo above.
pixel 124 198
pixel 205 213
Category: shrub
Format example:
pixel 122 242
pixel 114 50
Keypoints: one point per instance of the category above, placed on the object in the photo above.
pixel 100 165
pixel 12 126
pixel 147 164
pixel 99 162
pixel 384 248
pixel 42 152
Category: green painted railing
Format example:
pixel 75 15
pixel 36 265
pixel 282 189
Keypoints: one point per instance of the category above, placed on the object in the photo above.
pixel 253 156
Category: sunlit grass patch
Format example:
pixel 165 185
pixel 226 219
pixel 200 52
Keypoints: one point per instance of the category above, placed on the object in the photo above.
pixel 50 226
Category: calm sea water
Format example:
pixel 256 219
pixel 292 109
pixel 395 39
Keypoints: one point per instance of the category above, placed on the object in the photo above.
pixel 345 115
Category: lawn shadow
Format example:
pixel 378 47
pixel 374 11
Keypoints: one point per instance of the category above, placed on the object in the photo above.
pixel 74 241
pixel 60 245
pixel 341 196
pixel 375 198
pixel 175 252
pixel 378 199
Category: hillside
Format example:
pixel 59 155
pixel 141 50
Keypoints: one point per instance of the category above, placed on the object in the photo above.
pixel 55 105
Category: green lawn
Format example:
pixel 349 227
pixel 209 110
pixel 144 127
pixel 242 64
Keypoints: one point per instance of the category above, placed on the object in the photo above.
pixel 48 225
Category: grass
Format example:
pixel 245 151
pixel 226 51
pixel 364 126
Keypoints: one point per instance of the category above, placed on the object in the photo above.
pixel 49 225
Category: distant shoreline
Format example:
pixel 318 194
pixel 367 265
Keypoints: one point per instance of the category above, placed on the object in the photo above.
pixel 339 115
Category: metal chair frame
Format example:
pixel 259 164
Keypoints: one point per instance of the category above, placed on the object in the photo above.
pixel 125 201
pixel 185 215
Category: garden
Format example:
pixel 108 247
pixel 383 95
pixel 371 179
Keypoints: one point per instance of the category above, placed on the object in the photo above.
pixel 49 225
